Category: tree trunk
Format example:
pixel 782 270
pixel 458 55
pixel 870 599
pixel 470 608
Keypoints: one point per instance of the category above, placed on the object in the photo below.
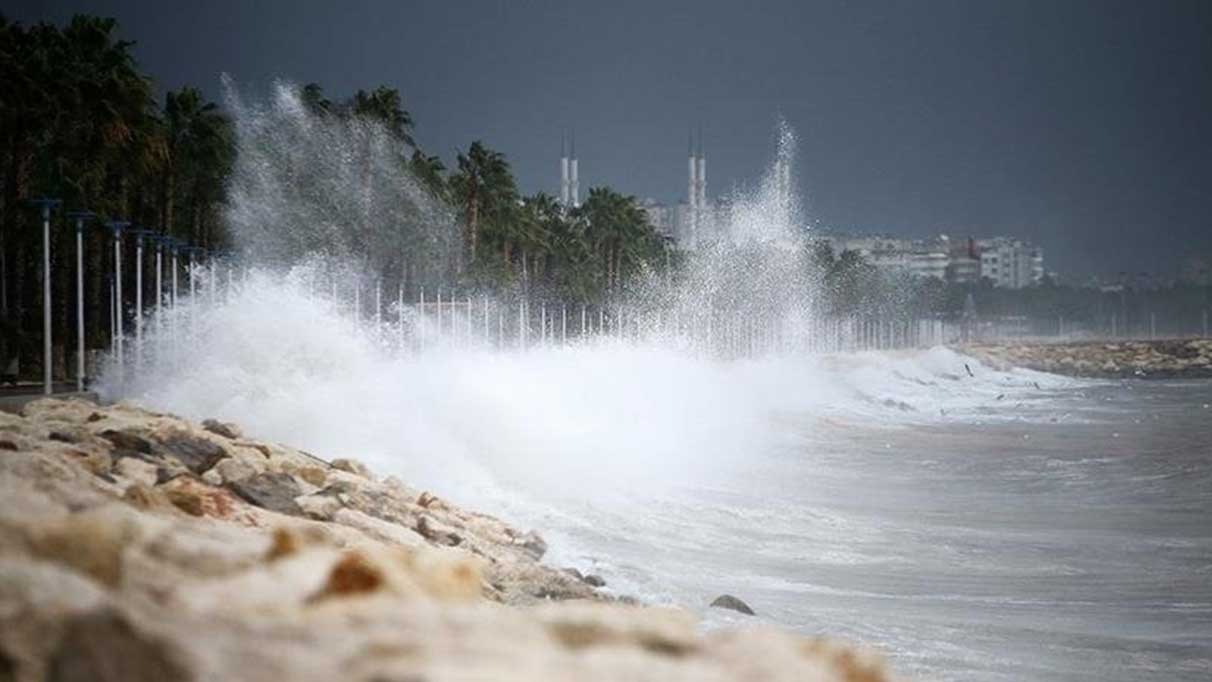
pixel 525 274
pixel 473 219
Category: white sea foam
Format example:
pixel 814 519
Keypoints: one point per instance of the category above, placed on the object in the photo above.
pixel 578 420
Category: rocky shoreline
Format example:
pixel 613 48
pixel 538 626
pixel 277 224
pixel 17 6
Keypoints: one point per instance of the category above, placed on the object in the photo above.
pixel 139 546
pixel 1152 359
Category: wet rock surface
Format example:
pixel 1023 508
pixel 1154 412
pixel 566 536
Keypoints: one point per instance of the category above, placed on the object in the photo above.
pixel 139 546
pixel 727 601
pixel 1152 359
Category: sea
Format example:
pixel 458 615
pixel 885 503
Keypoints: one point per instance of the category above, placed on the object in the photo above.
pixel 971 523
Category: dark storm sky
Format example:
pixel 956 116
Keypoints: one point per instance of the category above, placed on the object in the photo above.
pixel 1084 126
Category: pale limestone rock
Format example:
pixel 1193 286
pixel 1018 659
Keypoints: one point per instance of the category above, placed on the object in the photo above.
pixel 378 529
pixel 235 469
pixel 352 466
pixel 130 470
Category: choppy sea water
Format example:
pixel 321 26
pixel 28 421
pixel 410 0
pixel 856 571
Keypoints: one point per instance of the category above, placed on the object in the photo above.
pixel 1065 537
pixel 974 524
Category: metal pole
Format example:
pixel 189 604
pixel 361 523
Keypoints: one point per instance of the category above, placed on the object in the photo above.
pixel 192 270
pixel 80 304
pixel 563 323
pixel 159 281
pixel 80 217
pixel 522 325
pixel 421 320
pixel 117 226
pixel 47 367
pixel 400 316
pixel 139 300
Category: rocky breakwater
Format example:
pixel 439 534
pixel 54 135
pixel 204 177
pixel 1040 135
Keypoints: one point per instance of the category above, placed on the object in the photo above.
pixel 1159 359
pixel 137 546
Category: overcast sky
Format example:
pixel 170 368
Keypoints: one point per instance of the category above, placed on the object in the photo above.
pixel 1083 126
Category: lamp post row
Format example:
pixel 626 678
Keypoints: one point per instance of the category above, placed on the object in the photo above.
pixel 82 218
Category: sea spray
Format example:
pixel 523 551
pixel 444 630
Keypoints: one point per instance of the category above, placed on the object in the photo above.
pixel 323 209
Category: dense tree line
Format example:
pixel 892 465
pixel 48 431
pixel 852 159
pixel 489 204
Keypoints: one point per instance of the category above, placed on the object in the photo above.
pixel 79 122
pixel 509 241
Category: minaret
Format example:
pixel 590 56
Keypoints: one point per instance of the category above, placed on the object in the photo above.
pixel 575 181
pixel 564 183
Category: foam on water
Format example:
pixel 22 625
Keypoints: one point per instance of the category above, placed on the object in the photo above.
pixel 579 420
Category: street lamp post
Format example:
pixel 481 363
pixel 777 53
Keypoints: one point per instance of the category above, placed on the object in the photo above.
pixel 80 217
pixel 117 226
pixel 139 235
pixel 46 205
pixel 197 255
pixel 173 247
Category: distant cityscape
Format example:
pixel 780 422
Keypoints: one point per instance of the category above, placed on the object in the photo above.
pixel 1007 262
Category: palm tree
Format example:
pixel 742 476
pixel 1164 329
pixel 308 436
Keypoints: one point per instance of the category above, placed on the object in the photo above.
pixel 313 98
pixel 383 105
pixel 484 188
pixel 198 141
pixel 620 234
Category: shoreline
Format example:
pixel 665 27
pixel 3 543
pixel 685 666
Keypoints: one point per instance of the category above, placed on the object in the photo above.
pixel 135 545
pixel 1189 358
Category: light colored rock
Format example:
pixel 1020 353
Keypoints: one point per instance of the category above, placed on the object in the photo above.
pixel 235 469
pixel 383 531
pixel 132 470
pixel 352 466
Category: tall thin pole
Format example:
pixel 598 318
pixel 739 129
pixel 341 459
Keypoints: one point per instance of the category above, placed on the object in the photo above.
pixel 139 300
pixel 159 281
pixel 421 320
pixel 47 368
pixel 159 289
pixel 486 337
pixel 80 304
pixel 80 217
pixel 400 315
pixel 117 226
pixel 522 325
pixel 47 373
